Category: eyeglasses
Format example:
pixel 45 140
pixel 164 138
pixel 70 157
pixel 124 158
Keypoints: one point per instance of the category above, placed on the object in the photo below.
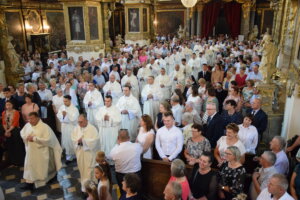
pixel 228 154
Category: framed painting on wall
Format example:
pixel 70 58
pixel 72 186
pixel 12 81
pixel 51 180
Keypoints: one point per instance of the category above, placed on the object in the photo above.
pixel 76 23
pixel 133 20
pixel 168 22
pixel 93 23
pixel 57 32
pixel 16 30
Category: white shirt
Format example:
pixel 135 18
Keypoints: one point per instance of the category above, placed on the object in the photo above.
pixel 266 195
pixel 127 157
pixel 222 146
pixel 169 142
pixel 177 111
pixel 249 137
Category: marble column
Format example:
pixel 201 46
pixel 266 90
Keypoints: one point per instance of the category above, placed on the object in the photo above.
pixel 199 19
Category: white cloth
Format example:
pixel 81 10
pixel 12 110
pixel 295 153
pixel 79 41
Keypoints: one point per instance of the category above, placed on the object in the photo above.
pixel 169 142
pixel 195 65
pixel 43 155
pixel 133 81
pixel 86 153
pixel 57 101
pixel 106 184
pixel 95 97
pixel 177 77
pixel 114 89
pixel 151 106
pixel 143 75
pixel 142 137
pixel 166 90
pixel 127 157
pixel 266 195
pixel 249 137
pixel 197 102
pixel 108 130
pixel 130 121
pixel 68 123
pixel 177 111
pixel 46 95
pixel 222 146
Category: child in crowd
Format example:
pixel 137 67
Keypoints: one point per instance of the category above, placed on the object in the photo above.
pixel 103 175
pixel 91 189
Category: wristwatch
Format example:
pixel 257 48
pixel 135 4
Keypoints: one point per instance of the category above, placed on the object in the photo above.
pixel 223 187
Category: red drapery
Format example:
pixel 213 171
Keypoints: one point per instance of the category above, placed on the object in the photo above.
pixel 232 12
pixel 209 17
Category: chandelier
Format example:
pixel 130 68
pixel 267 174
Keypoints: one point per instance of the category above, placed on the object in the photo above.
pixel 189 3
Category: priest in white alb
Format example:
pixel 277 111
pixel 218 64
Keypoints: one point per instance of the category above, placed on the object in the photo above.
pixel 177 77
pixel 113 88
pixel 92 102
pixel 43 152
pixel 131 79
pixel 85 140
pixel 151 95
pixel 68 115
pixel 164 83
pixel 131 112
pixel 108 120
pixel 143 74
pixel 194 63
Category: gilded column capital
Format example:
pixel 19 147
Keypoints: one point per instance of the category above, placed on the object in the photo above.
pixel 200 7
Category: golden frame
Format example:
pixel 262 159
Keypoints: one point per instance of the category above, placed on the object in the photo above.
pixel 168 10
pixel 140 7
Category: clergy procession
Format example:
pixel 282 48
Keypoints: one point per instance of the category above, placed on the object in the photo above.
pixel 185 102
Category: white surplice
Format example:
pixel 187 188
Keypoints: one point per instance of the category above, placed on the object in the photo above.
pixel 43 155
pixel 68 123
pixel 143 75
pixel 195 67
pixel 170 64
pixel 86 153
pixel 151 106
pixel 115 90
pixel 166 90
pixel 130 121
pixel 108 130
pixel 177 77
pixel 97 101
pixel 132 80
pixel 57 102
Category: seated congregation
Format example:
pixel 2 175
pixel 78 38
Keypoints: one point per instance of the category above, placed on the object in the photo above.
pixel 175 120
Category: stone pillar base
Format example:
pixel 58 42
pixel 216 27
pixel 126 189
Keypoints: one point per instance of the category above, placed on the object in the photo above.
pixel 267 93
pixel 85 50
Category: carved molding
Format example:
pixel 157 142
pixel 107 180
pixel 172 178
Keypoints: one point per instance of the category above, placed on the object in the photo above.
pixel 80 48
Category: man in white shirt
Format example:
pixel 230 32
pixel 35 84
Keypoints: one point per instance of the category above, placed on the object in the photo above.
pixel 130 79
pixel 67 115
pixel 276 190
pixel 255 75
pixel 105 64
pixel 169 139
pixel 69 67
pixel 126 155
pixel 177 110
pixel 46 97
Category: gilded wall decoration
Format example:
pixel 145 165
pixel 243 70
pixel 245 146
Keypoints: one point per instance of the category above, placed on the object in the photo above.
pixel 76 23
pixel 93 23
pixel 133 20
pixel 145 20
pixel 15 30
pixel 169 21
pixel 34 21
pixel 57 32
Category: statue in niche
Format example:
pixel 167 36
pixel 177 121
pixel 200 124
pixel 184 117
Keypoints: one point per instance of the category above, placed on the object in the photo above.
pixel 119 40
pixel 13 57
pixel 269 57
pixel 253 34
pixel 181 32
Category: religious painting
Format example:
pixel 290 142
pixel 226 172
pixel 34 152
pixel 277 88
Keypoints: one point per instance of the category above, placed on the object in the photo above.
pixel 145 21
pixel 34 21
pixel 56 25
pixel 168 22
pixel 15 30
pixel 93 23
pixel 133 20
pixel 76 23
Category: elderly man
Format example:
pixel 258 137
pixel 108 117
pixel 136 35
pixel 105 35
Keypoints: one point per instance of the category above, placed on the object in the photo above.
pixel 143 74
pixel 189 107
pixel 92 101
pixel 108 120
pixel 113 88
pixel 173 191
pixel 67 115
pixel 130 79
pixel 164 83
pixel 169 139
pixel 43 152
pixel 277 189
pixel 177 77
pixel 126 155
pixel 277 145
pixel 255 75
pixel 86 143
pixel 261 178
pixel 131 112
pixel 177 109
pixel 187 122
pixel 151 95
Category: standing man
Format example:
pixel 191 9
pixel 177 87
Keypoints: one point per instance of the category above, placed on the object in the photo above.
pixel 92 102
pixel 86 142
pixel 127 156
pixel 113 88
pixel 108 119
pixel 131 79
pixel 68 115
pixel 43 152
pixel 46 97
pixel 169 139
pixel 131 112
pixel 164 83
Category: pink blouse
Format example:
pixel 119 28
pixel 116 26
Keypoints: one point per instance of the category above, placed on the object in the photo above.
pixel 143 59
pixel 185 187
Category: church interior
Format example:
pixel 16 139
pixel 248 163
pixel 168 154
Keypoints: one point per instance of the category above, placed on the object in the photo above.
pixel 86 43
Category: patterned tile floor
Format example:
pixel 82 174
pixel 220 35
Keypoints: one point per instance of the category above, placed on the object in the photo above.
pixel 66 186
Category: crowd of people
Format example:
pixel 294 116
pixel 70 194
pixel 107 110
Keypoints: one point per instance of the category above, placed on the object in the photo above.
pixel 189 102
